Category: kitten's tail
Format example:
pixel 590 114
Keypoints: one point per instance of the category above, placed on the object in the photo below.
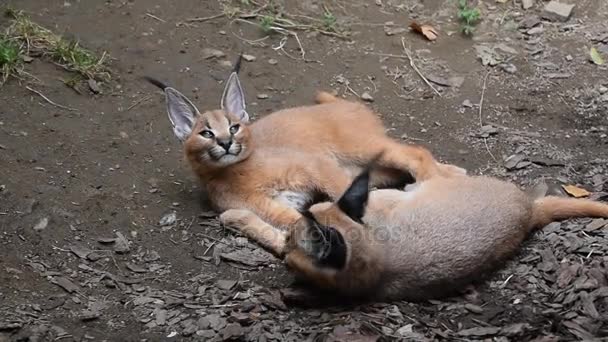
pixel 325 97
pixel 551 208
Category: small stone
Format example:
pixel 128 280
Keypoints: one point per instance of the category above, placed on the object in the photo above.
pixel 391 31
pixel 209 53
pixel 535 30
pixel 232 330
pixel 94 86
pixel 225 284
pixel 596 224
pixel 569 58
pixel 189 327
pixel 508 68
pixel 121 245
pixel 42 224
pixel 168 220
pixel 557 11
pixel 603 90
pixel 467 104
pixel 65 284
pixel 487 131
pixel 262 96
pixel 273 61
pixel 527 4
pixel 207 334
pixel 89 315
pixel 529 22
pixel 216 322
pixel 367 97
pixel 473 308
pixel 512 161
pixel 135 268
pixel 249 58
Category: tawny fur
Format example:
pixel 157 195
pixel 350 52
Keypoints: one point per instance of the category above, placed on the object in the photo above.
pixel 425 243
pixel 281 162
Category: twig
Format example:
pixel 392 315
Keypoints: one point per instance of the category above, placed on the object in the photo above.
pixel 409 56
pixel 203 19
pixel 138 102
pixel 48 100
pixel 388 55
pixel 483 93
pixel 216 240
pixel 155 17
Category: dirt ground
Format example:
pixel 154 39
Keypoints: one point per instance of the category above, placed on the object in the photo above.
pixel 84 255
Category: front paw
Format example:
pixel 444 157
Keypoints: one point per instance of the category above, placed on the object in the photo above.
pixel 447 170
pixel 236 218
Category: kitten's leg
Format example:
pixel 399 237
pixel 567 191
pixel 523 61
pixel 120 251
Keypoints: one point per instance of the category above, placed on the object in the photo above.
pixel 417 160
pixel 252 226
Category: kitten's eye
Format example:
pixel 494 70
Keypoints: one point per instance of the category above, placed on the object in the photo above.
pixel 234 128
pixel 207 134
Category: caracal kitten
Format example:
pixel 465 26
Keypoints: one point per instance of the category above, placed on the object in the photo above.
pixel 289 159
pixel 429 242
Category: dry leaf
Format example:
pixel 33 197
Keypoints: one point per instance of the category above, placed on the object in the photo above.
pixel 596 57
pixel 426 30
pixel 575 191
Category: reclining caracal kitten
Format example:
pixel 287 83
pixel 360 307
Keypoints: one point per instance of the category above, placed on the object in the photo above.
pixel 284 161
pixel 425 243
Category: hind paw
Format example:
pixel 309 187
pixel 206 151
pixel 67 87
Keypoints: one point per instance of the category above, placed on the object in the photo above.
pixel 448 170
pixel 237 218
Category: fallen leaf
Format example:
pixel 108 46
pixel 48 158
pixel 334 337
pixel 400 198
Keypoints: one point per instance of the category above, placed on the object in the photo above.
pixel 426 30
pixel 575 191
pixel 595 56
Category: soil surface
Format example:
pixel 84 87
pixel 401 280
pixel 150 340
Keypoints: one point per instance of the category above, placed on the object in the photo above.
pixel 103 231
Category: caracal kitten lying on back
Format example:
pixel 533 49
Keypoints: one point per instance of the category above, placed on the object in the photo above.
pixel 425 243
pixel 284 161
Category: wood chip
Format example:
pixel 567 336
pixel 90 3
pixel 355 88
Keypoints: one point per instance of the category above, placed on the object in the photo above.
pixel 575 191
pixel 65 284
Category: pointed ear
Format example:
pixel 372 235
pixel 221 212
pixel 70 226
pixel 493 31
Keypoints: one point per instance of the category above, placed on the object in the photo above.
pixel 182 113
pixel 233 97
pixel 354 200
pixel 324 244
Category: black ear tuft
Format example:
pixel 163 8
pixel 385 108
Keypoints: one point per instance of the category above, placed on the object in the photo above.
pixel 336 253
pixel 156 82
pixel 354 200
pixel 325 244
pixel 237 64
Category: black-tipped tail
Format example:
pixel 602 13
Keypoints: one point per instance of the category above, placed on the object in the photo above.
pixel 156 82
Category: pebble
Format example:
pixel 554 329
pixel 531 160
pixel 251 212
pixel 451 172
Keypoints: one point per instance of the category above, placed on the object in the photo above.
pixel 536 30
pixel 273 61
pixel 467 104
pixel 209 53
pixel 42 224
pixel 168 219
pixel 367 97
pixel 557 11
pixel 262 96
pixel 527 4
pixel 249 58
pixel 508 68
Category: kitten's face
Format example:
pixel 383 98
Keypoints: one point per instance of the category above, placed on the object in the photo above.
pixel 218 139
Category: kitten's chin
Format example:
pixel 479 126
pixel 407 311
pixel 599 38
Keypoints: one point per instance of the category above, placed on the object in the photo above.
pixel 226 160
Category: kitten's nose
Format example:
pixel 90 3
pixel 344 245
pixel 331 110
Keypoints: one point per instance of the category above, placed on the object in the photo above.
pixel 225 144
